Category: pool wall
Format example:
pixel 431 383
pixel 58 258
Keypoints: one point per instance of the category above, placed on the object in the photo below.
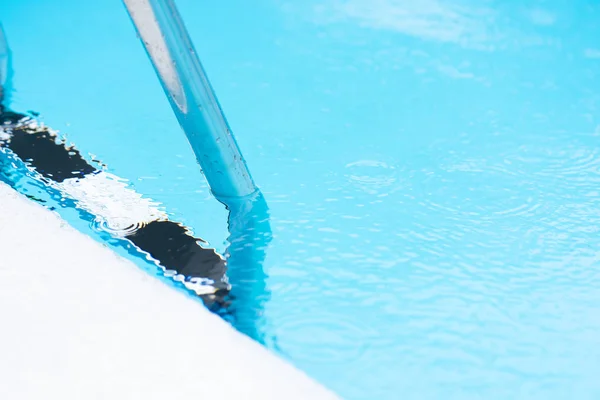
pixel 82 322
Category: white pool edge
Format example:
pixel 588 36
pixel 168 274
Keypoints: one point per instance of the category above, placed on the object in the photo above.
pixel 79 321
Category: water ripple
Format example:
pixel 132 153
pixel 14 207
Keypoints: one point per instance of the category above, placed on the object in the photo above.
pixel 323 337
pixel 115 227
pixel 371 176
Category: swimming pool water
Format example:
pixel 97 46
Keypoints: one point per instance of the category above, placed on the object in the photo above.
pixel 431 170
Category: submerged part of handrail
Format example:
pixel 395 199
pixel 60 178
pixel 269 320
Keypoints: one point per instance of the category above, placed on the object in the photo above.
pixel 192 98
pixel 5 69
pixel 249 237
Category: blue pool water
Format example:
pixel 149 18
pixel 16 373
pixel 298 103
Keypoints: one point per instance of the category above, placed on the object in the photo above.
pixel 431 168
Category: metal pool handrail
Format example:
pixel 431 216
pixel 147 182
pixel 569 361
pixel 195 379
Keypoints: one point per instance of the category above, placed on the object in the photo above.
pixel 192 98
pixel 5 69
